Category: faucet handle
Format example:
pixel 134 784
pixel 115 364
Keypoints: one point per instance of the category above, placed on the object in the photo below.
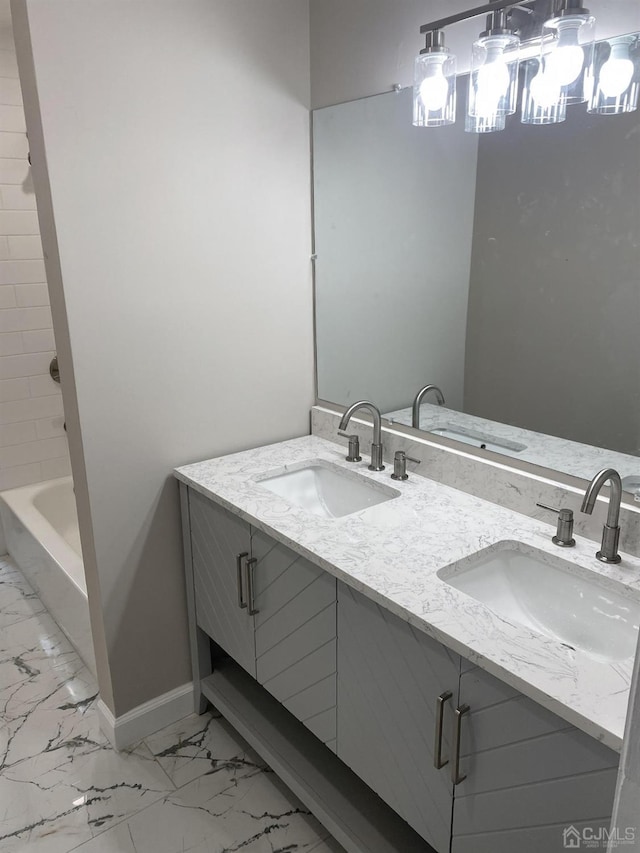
pixel 400 460
pixel 354 447
pixel 564 532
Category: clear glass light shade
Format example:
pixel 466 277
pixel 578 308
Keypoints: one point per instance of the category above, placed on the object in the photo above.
pixel 434 89
pixel 542 101
pixel 616 78
pixel 484 124
pixel 493 81
pixel 569 57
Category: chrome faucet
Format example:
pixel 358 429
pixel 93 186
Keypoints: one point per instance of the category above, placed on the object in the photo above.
pixel 415 419
pixel 608 552
pixel 376 447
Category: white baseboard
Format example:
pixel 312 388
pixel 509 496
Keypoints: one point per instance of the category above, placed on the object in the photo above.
pixel 146 719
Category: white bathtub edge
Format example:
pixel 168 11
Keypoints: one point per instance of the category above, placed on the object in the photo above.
pixel 20 502
pixel 49 564
pixel 145 719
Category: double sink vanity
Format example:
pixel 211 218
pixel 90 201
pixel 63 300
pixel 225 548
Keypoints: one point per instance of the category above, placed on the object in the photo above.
pixel 471 673
pixel 403 633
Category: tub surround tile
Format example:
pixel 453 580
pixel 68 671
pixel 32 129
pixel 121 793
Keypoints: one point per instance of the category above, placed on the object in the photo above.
pixel 392 554
pixel 12 343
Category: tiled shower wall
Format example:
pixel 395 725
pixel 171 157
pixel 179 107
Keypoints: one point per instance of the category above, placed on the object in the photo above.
pixel 33 446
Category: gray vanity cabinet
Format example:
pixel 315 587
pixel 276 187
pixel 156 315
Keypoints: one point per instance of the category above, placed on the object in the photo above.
pixel 523 774
pixel 529 774
pixel 471 764
pixel 270 609
pixel 390 678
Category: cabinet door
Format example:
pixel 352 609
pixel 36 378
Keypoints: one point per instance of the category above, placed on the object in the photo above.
pixel 295 634
pixel 530 775
pixel 389 679
pixel 217 539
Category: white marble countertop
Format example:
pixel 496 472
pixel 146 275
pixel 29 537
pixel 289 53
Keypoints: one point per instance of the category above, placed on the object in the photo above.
pixel 392 553
pixel 550 451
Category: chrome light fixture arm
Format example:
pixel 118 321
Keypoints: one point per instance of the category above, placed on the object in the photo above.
pixel 475 12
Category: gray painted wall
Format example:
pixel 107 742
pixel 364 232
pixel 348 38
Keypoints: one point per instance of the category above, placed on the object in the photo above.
pixel 553 339
pixel 393 226
pixel 171 157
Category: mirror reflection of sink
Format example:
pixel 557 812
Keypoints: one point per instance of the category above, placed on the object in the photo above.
pixel 479 439
pixel 540 592
pixel 327 490
pixel 632 484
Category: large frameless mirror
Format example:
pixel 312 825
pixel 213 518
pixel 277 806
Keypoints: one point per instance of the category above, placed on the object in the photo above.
pixel 503 268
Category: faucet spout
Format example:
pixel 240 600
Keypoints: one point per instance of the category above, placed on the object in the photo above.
pixel 615 499
pixel 415 415
pixel 608 552
pixel 376 446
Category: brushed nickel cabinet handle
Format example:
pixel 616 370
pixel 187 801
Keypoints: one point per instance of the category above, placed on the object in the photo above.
pixel 251 564
pixel 239 558
pixel 442 699
pixel 456 776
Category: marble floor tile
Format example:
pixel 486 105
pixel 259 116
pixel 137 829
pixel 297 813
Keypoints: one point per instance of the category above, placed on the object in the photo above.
pixel 82 794
pixel 50 716
pixel 251 811
pixel 31 645
pixel 202 745
pixel 195 785
pixel 17 600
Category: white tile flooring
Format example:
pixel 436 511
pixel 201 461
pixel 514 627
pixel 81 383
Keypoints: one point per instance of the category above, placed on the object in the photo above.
pixel 195 786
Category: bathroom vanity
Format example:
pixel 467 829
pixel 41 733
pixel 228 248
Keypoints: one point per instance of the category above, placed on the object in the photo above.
pixel 343 639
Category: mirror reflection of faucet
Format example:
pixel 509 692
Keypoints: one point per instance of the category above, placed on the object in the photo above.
pixel 415 420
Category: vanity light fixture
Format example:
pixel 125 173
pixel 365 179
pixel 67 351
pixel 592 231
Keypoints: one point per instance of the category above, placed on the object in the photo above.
pixel 484 124
pixel 541 95
pixel 493 81
pixel 569 59
pixel 552 42
pixel 434 83
pixel 616 81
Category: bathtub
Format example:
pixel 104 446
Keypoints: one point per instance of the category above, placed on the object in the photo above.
pixel 41 530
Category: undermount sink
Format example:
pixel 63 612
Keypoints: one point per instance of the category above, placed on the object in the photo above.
pixel 327 490
pixel 543 594
pixel 479 439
